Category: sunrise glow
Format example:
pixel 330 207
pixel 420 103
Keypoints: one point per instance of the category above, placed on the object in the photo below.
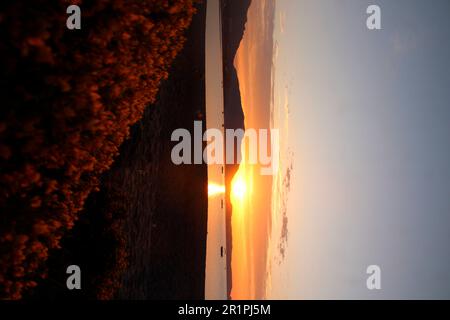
pixel 239 188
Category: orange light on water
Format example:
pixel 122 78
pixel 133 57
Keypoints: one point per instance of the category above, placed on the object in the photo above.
pixel 215 189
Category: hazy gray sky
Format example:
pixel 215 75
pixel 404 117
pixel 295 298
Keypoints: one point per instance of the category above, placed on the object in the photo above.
pixel 369 127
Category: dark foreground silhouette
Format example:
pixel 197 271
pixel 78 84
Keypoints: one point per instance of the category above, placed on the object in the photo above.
pixel 155 245
pixel 69 98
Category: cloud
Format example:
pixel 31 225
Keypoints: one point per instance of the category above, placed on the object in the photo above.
pixel 283 240
pixel 282 20
pixel 276 50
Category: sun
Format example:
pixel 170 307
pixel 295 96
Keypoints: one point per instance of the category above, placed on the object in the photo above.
pixel 239 188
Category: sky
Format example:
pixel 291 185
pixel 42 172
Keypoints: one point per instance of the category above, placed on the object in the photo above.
pixel 365 157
